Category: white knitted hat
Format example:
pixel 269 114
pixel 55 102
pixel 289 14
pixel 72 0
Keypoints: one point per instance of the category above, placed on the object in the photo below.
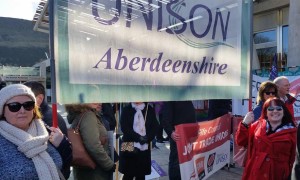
pixel 13 90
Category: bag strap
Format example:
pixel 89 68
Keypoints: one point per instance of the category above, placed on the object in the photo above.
pixel 76 130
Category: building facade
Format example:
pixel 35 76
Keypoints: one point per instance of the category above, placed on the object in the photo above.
pixel 272 27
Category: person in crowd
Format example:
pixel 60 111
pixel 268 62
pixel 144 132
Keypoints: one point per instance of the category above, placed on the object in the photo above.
pixel 266 90
pixel 218 108
pixel 107 113
pixel 94 137
pixel 159 135
pixel 109 123
pixel 39 92
pixel 175 113
pixel 271 142
pixel 61 141
pixel 139 125
pixel 283 86
pixel 27 149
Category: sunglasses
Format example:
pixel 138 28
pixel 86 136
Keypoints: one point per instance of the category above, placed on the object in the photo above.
pixel 268 93
pixel 16 106
pixel 272 108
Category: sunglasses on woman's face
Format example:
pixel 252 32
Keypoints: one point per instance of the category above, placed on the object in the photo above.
pixel 268 93
pixel 272 108
pixel 16 106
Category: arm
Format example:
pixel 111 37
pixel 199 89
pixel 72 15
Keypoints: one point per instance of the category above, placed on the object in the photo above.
pixel 62 124
pixel 89 131
pixel 151 124
pixel 64 148
pixel 167 117
pixel 295 145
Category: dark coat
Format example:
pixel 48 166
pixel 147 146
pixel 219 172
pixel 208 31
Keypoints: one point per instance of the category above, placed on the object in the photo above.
pixel 65 151
pixel 257 110
pixel 271 156
pixel 47 117
pixel 175 113
pixel 140 163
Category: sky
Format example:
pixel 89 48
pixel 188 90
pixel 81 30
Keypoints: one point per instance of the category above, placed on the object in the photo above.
pixel 21 9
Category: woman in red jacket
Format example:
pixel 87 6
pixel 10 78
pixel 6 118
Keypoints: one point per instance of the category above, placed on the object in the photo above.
pixel 271 142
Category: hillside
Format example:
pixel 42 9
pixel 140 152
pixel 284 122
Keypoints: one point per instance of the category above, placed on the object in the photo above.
pixel 19 44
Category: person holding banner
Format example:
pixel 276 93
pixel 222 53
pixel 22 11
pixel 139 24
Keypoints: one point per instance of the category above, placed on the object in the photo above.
pixel 139 125
pixel 266 90
pixel 95 140
pixel 26 147
pixel 271 142
pixel 175 113
pixel 62 144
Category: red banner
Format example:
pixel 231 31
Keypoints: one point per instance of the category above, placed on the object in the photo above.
pixel 204 147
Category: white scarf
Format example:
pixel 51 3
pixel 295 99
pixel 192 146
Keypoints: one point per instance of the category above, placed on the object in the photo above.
pixel 139 124
pixel 33 144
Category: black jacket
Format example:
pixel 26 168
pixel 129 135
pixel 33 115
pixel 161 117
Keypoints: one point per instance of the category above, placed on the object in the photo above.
pixel 47 118
pixel 175 113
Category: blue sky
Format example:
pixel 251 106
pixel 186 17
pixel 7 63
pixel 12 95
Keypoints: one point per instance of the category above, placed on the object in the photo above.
pixel 21 9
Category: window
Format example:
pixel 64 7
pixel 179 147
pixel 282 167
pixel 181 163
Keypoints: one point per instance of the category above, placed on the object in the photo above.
pixel 285 45
pixel 270 37
pixel 266 47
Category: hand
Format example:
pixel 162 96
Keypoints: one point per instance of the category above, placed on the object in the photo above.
pixel 175 136
pixel 249 118
pixel 56 136
pixel 143 140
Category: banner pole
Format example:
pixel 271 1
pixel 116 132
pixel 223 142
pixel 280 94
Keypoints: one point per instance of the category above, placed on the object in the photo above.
pixel 52 64
pixel 251 54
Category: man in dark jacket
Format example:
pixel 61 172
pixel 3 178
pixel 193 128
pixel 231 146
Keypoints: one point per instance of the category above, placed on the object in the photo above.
pixel 175 113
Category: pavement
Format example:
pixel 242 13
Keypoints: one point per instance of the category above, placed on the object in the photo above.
pixel 161 156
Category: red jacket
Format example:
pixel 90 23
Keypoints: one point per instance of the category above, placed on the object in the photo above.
pixel 289 103
pixel 270 157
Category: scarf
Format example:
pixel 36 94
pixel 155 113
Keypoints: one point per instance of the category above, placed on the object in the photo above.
pixel 139 124
pixel 33 144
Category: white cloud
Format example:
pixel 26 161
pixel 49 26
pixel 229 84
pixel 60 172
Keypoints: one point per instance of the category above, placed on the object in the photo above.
pixel 21 9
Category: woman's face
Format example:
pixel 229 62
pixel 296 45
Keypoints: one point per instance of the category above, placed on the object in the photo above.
pixel 20 118
pixel 269 93
pixel 274 113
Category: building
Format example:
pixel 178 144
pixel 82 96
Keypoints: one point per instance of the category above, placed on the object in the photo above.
pixel 271 31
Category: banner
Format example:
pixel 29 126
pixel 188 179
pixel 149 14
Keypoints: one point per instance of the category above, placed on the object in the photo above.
pixel 240 107
pixel 204 147
pixel 133 50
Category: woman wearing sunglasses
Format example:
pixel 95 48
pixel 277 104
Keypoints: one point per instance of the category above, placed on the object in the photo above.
pixel 266 90
pixel 25 151
pixel 271 142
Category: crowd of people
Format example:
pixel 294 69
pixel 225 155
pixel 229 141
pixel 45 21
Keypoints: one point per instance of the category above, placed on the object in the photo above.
pixel 34 149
